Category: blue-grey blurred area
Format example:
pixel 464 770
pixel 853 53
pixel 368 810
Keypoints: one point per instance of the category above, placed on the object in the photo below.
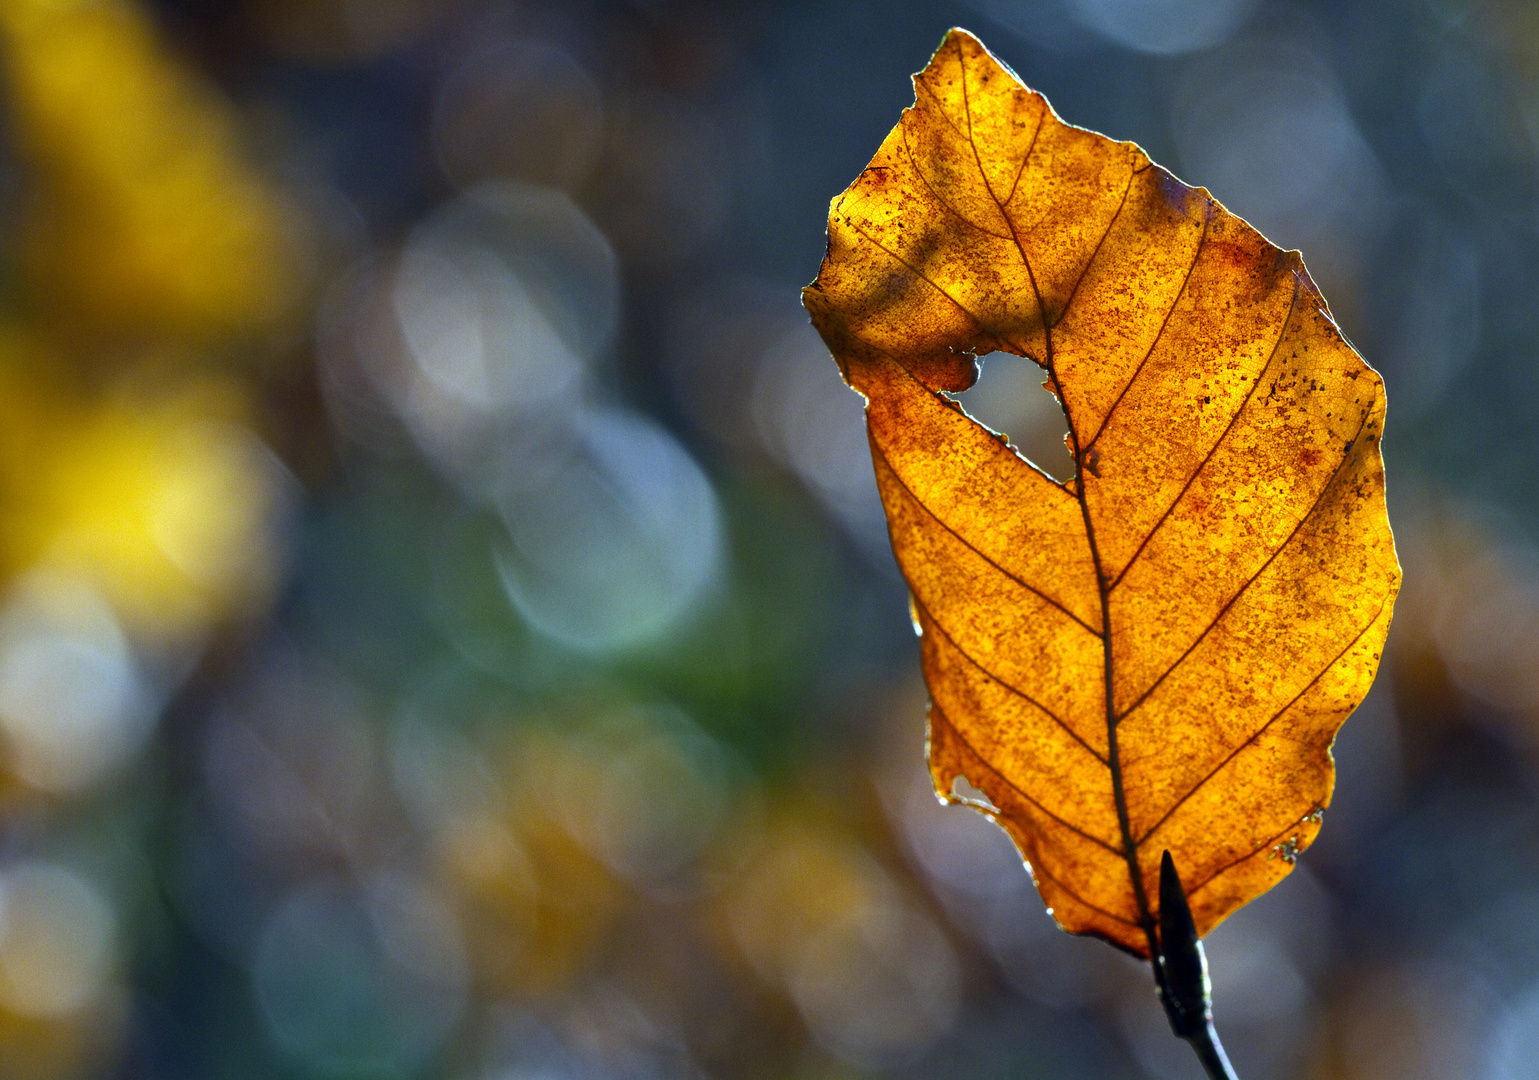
pixel 447 626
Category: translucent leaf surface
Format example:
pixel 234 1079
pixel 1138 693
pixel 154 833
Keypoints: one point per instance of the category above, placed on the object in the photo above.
pixel 1156 654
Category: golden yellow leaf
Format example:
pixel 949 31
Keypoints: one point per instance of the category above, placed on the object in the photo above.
pixel 1156 654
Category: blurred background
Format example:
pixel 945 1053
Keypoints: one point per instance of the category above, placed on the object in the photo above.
pixel 447 628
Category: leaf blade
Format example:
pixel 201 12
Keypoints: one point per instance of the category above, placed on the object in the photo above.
pixel 1158 653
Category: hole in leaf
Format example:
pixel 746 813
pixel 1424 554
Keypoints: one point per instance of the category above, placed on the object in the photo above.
pixel 962 788
pixel 1009 398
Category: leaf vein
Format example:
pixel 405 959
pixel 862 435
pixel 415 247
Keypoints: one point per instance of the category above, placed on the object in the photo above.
pixel 1160 333
pixel 1017 691
pixel 1036 868
pixel 944 205
pixel 1022 792
pixel 1098 244
pixel 940 107
pixel 1238 749
pixel 1319 499
pixel 900 260
pixel 987 186
pixel 1031 146
pixel 1264 846
pixel 877 450
pixel 1190 480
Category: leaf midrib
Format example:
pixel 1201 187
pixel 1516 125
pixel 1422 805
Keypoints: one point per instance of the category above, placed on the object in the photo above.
pixel 1113 763
pixel 1104 586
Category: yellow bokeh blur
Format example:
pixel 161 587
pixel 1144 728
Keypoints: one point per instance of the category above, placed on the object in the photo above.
pixel 536 907
pixel 137 502
pixel 160 497
pixel 147 235
pixel 145 216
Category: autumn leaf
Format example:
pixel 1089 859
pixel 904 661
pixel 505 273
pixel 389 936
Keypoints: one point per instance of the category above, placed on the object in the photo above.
pixel 1157 654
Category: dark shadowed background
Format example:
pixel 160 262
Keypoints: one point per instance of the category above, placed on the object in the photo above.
pixel 447 628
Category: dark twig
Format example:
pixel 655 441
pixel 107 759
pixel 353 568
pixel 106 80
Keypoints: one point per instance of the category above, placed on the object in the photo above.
pixel 1181 973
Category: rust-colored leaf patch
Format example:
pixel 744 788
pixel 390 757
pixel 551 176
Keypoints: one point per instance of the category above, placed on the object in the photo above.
pixel 1156 654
